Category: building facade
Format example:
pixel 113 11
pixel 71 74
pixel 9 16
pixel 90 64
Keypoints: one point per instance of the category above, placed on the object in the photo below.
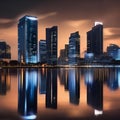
pixel 95 39
pixel 5 51
pixel 74 48
pixel 51 41
pixel 113 51
pixel 42 51
pixel 63 58
pixel 27 39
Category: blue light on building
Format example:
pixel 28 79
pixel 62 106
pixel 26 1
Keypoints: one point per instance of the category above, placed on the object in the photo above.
pixel 114 51
pixel 27 39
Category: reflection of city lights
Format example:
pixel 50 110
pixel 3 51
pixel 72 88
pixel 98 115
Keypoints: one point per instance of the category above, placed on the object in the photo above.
pixel 118 77
pixel 98 23
pixel 29 117
pixel 98 112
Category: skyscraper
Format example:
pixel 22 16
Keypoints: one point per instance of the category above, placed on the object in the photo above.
pixel 74 48
pixel 5 51
pixel 27 39
pixel 42 51
pixel 51 41
pixel 95 39
pixel 63 58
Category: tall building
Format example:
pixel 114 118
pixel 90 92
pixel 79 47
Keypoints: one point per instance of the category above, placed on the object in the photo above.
pixel 95 39
pixel 27 39
pixel 42 51
pixel 5 51
pixel 74 48
pixel 51 41
pixel 66 51
pixel 63 58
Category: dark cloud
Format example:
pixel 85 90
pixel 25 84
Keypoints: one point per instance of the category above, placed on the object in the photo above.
pixel 103 10
pixel 66 9
pixel 7 24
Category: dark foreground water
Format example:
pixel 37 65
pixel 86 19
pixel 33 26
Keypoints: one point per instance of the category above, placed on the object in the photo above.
pixel 60 94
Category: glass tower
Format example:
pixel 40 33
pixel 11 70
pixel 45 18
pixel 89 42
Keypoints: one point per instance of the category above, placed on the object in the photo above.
pixel 74 48
pixel 95 39
pixel 42 51
pixel 51 41
pixel 27 39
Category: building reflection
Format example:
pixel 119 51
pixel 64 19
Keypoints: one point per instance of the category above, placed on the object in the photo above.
pixel 114 79
pixel 94 83
pixel 51 88
pixel 74 85
pixel 63 75
pixel 5 81
pixel 42 80
pixel 27 93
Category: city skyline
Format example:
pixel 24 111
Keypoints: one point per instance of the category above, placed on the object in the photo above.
pixel 72 16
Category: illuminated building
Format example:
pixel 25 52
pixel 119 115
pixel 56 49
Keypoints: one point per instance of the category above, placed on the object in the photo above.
pixel 42 51
pixel 27 40
pixel 51 41
pixel 114 51
pixel 5 51
pixel 95 39
pixel 74 48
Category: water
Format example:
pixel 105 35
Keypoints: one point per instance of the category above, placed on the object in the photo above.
pixel 60 94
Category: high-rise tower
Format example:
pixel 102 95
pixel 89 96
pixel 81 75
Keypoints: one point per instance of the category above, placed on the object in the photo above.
pixel 74 48
pixel 27 39
pixel 51 41
pixel 42 51
pixel 95 39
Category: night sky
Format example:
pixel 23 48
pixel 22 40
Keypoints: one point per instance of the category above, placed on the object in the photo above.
pixel 69 15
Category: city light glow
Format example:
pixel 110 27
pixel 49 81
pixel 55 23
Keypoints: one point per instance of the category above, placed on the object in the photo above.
pixel 98 112
pixel 29 117
pixel 32 18
pixel 98 23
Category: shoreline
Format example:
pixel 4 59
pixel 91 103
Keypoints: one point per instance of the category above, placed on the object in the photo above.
pixel 63 66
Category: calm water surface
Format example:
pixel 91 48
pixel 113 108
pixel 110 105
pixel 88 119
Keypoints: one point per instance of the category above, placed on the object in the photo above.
pixel 60 94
